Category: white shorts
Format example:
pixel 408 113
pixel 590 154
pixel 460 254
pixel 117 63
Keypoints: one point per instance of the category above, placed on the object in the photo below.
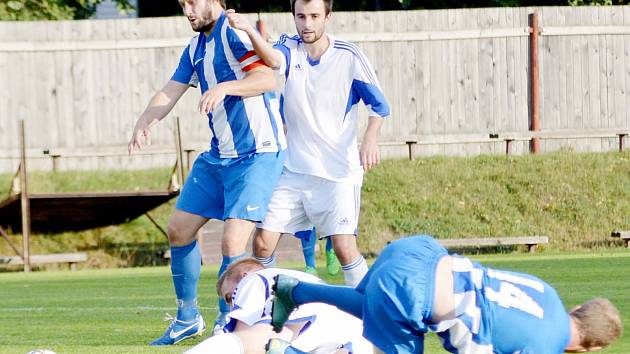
pixel 301 201
pixel 331 328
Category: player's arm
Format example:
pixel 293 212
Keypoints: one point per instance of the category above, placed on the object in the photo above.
pixel 257 80
pixel 365 85
pixel 159 106
pixel 265 51
pixel 369 154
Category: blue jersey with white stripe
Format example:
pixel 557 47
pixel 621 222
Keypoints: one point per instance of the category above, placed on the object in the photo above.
pixel 240 125
pixel 503 312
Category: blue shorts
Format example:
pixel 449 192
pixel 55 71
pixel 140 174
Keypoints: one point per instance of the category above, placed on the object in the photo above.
pixel 398 293
pixel 233 188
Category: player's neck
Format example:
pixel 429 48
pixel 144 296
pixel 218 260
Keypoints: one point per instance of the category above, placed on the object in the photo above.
pixel 316 49
pixel 217 11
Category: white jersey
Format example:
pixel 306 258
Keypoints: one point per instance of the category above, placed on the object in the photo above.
pixel 324 325
pixel 319 108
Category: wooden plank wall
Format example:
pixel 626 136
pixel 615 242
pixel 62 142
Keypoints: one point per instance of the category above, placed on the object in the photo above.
pixel 84 83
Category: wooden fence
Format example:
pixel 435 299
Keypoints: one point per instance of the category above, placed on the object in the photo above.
pixel 82 84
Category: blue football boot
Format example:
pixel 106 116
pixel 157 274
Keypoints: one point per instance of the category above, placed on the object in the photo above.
pixel 178 330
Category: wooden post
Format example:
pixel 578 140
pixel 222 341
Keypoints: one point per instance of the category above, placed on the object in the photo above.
pixel 534 85
pixel 508 146
pixel 410 145
pixel 181 171
pixel 55 162
pixel 26 209
pixel 621 139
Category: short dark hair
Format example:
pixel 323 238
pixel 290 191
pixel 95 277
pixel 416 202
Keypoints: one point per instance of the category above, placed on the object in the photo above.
pixel 328 3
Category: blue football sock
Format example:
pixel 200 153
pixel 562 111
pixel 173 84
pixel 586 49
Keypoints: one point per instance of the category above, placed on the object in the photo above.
pixel 186 268
pixel 345 298
pixel 223 306
pixel 308 239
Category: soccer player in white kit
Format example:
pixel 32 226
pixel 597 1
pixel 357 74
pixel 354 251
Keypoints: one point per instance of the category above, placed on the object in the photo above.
pixel 325 78
pixel 246 286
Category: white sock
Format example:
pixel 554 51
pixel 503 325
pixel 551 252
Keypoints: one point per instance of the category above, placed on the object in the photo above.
pixel 226 343
pixel 267 262
pixel 354 272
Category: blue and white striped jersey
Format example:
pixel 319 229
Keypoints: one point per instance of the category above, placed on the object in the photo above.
pixel 240 125
pixel 319 104
pixel 503 312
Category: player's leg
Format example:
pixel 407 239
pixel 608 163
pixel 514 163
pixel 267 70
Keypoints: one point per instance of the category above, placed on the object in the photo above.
pixel 185 261
pixel 248 183
pixel 201 199
pixel 308 239
pixel 233 245
pixel 334 209
pixel 285 215
pixel 264 247
pixel 290 293
pixel 352 262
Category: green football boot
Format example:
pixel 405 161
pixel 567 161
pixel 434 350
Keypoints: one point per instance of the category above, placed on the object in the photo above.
pixel 283 303
pixel 332 263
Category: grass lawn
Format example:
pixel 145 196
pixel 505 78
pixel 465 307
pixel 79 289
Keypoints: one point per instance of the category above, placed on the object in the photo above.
pixel 119 310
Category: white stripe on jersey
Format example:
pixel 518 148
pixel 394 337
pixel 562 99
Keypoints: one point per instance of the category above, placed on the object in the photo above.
pixel 232 60
pixel 466 303
pixel 460 337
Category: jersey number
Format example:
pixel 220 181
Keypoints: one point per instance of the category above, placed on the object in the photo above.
pixel 511 296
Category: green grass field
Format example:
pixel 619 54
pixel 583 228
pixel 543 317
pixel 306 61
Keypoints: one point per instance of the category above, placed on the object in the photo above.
pixel 120 310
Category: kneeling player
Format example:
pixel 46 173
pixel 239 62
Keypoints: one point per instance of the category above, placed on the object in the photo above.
pixel 415 287
pixel 320 328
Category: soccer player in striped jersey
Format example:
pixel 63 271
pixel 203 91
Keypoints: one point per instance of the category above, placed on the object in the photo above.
pixel 415 287
pixel 316 327
pixel 325 78
pixel 233 181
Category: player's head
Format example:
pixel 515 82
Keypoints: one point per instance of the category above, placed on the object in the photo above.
pixel 202 14
pixel 310 18
pixel 233 274
pixel 598 323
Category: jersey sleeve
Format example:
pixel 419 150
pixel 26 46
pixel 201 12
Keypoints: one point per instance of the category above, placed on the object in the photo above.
pixel 249 300
pixel 282 48
pixel 185 72
pixel 243 50
pixel 366 87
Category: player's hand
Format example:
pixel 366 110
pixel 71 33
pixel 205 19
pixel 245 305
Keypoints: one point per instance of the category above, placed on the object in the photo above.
pixel 238 21
pixel 141 136
pixel 369 154
pixel 211 99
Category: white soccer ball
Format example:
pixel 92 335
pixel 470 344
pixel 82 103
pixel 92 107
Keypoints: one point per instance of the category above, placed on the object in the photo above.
pixel 41 351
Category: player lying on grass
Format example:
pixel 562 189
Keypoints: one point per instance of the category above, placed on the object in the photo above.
pixel 415 286
pixel 320 328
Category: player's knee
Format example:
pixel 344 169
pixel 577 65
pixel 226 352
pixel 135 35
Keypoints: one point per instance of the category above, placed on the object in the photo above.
pixel 178 234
